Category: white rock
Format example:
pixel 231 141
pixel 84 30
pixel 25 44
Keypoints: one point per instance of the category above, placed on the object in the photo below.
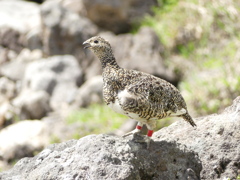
pixel 22 139
pixel 19 15
pixel 90 92
pixel 32 104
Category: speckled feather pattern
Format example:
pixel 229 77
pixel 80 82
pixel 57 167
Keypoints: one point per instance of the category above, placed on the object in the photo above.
pixel 151 97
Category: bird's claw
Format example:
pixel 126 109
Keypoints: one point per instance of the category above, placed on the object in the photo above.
pixel 146 139
pixel 135 131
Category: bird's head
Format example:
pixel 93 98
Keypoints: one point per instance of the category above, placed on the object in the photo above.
pixel 102 49
pixel 97 44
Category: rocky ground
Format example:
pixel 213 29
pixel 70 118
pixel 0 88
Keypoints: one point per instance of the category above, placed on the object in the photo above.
pixel 209 151
pixel 45 74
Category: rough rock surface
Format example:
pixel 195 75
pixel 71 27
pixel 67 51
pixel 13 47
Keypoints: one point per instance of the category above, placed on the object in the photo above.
pixel 107 157
pixel 211 151
pixel 215 140
pixel 117 15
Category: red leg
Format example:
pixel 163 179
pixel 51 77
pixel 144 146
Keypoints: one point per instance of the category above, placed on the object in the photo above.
pixel 138 127
pixel 136 130
pixel 150 133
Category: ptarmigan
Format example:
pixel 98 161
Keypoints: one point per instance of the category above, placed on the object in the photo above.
pixel 138 95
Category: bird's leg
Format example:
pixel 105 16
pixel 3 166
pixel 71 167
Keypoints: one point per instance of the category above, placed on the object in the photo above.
pixel 136 130
pixel 150 125
pixel 148 138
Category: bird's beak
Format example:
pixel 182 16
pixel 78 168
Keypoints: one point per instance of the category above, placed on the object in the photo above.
pixel 86 45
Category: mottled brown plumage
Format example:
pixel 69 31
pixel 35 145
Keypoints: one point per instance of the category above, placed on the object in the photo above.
pixel 138 95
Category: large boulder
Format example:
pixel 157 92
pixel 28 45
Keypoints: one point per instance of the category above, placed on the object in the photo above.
pixel 16 28
pixel 15 69
pixel 107 157
pixel 117 15
pixel 44 86
pixel 63 30
pixel 32 104
pixel 22 139
pixel 210 151
pixel 216 141
pixel 53 75
pixel 25 16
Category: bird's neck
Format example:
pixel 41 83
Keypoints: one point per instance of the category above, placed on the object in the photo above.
pixel 107 59
pixel 109 62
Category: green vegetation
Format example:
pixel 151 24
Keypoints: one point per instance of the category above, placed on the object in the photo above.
pixel 238 177
pixel 54 139
pixel 96 119
pixel 215 81
pixel 201 42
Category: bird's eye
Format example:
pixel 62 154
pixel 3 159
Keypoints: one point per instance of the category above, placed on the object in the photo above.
pixel 96 41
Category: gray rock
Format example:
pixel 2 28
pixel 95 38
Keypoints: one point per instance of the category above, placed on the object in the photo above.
pixel 17 18
pixel 33 39
pixel 15 68
pixel 32 104
pixel 90 92
pixel 53 75
pixel 19 15
pixel 7 92
pixel 211 151
pixel 11 39
pixel 37 77
pixel 117 15
pixel 45 74
pixel 7 89
pixel 74 6
pixel 44 85
pixel 22 139
pixel 215 140
pixel 107 157
pixel 63 95
pixel 63 30
pixel 6 112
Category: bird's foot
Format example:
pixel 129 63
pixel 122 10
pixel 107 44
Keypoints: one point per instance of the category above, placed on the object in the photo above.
pixel 146 139
pixel 135 131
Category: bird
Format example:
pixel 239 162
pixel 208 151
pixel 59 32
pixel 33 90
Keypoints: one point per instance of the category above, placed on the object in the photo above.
pixel 138 95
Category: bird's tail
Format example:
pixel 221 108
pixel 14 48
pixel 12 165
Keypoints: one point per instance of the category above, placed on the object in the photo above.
pixel 189 119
